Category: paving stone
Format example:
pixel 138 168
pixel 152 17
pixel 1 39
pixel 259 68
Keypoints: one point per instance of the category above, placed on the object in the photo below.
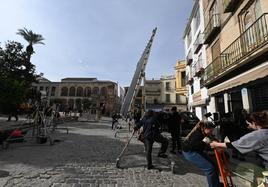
pixel 56 185
pixel 86 158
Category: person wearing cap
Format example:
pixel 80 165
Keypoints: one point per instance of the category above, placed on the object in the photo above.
pixel 193 150
pixel 255 141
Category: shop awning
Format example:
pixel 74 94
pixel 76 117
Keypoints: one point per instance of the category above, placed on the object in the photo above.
pixel 248 76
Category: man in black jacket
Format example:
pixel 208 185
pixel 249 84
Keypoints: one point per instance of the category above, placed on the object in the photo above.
pixel 174 127
pixel 152 134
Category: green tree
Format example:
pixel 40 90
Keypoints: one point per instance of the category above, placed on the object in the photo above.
pixel 32 38
pixel 16 76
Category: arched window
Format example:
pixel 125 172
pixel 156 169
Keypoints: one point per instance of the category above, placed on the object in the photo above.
pixel 87 92
pixel 103 91
pixel 72 91
pixel 248 19
pixel 64 91
pixel 79 92
pixel 95 91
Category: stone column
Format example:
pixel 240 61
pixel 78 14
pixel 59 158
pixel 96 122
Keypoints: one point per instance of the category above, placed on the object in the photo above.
pixel 226 98
pixel 246 99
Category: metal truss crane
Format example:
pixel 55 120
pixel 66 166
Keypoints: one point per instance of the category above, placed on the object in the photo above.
pixel 137 78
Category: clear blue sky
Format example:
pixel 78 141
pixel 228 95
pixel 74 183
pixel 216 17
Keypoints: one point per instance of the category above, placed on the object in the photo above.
pixel 99 38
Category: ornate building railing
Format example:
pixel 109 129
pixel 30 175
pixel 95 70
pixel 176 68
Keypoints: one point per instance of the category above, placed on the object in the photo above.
pixel 198 43
pixel 248 42
pixel 212 28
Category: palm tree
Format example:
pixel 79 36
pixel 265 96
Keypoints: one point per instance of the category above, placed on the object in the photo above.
pixel 32 38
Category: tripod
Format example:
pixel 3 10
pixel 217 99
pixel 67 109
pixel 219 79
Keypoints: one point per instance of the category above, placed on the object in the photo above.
pixel 41 124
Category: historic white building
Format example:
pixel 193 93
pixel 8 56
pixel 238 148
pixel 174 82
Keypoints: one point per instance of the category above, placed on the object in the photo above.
pixel 196 61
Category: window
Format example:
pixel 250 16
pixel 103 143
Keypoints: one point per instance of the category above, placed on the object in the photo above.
pixel 47 90
pixel 79 92
pixel 95 91
pixel 214 9
pixel 250 14
pixel 87 92
pixel 177 98
pixel 192 89
pixel 252 34
pixel 41 88
pixel 103 91
pixel 168 98
pixel 189 38
pixel 257 9
pixel 167 86
pixel 72 91
pixel 197 19
pixel 248 19
pixel 64 91
pixel 183 79
pixel 53 91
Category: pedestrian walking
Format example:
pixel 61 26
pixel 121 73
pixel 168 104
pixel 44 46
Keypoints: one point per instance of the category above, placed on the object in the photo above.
pixel 12 112
pixel 193 150
pixel 152 134
pixel 174 128
pixel 137 116
pixel 114 120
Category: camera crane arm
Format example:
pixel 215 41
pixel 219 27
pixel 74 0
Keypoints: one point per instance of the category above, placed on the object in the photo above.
pixel 137 78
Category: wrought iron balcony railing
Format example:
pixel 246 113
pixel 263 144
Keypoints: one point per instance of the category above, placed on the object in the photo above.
pixel 252 39
pixel 169 89
pixel 198 43
pixel 212 28
pixel 189 58
pixel 229 5
pixel 189 77
pixel 198 68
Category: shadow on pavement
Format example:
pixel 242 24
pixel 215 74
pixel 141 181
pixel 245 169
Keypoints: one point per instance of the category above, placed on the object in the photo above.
pixel 91 126
pixel 87 149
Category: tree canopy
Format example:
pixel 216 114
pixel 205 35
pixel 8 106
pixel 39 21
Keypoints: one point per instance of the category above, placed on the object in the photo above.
pixel 32 38
pixel 16 75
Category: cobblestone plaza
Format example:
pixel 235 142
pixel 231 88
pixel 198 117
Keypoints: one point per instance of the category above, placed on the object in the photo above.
pixel 86 157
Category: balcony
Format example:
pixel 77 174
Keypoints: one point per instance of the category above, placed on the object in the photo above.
pixel 212 28
pixel 229 5
pixel 189 58
pixel 252 39
pixel 155 92
pixel 190 78
pixel 169 89
pixel 198 68
pixel 198 43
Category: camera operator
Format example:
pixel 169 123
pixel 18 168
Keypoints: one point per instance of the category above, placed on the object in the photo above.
pixel 194 151
pixel 255 141
pixel 152 134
